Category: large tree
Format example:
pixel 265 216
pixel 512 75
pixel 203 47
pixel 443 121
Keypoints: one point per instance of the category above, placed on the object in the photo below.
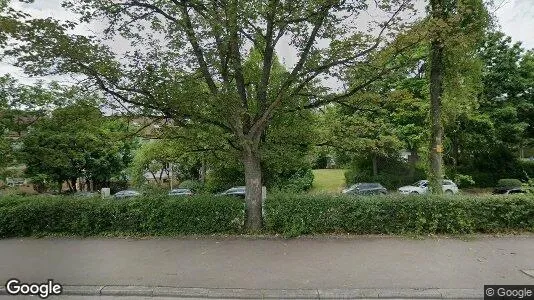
pixel 186 60
pixel 456 27
pixel 76 141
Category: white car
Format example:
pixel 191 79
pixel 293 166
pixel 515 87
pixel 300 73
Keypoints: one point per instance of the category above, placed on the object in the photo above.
pixel 421 187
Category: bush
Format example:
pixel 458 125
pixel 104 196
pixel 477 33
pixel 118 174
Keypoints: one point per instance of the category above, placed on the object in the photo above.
pixel 48 215
pixel 509 183
pixel 299 181
pixel 529 185
pixel 294 215
pixel 288 214
pixel 194 185
pixel 463 180
pixel 526 168
pixel 392 173
pixel 223 178
pixel 484 179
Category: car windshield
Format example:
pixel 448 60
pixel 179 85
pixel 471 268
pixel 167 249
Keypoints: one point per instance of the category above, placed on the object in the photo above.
pixel 180 191
pixel 420 183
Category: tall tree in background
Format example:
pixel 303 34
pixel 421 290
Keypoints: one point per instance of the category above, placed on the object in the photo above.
pixel 186 60
pixel 456 27
pixel 76 141
pixel 438 13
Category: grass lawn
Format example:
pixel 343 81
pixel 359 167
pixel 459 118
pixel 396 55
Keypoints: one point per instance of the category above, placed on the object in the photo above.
pixel 328 180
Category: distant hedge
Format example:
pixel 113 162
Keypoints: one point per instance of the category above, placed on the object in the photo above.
pixel 49 215
pixel 293 215
pixel 287 214
pixel 509 183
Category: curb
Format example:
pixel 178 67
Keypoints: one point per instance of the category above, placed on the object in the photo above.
pixel 231 293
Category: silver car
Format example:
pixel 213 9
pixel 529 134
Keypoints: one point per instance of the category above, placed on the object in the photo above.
pixel 126 194
pixel 180 192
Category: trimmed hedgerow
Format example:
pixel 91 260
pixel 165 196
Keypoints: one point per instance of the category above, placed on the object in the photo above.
pixel 38 215
pixel 509 183
pixel 293 215
pixel 287 214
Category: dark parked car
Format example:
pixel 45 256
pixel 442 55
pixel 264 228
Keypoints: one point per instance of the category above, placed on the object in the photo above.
pixel 180 192
pixel 508 191
pixel 238 191
pixel 365 189
pixel 126 194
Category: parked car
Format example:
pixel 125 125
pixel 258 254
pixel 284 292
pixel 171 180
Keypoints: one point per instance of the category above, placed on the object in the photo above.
pixel 180 192
pixel 126 194
pixel 365 189
pixel 421 187
pixel 508 191
pixel 238 191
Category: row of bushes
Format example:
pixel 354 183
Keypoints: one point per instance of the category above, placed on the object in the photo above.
pixel 40 215
pixel 287 214
pixel 294 215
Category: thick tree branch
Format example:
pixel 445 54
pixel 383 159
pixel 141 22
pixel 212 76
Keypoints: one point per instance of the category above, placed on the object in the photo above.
pixel 268 55
pixel 259 124
pixel 191 35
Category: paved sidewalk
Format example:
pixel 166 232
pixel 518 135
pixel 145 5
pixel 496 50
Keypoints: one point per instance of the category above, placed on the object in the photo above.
pixel 210 293
pixel 382 266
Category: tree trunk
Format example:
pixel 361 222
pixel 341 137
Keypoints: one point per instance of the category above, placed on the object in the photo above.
pixel 202 171
pixel 375 165
pixel 436 93
pixel 413 158
pixel 72 184
pixel 456 153
pixel 253 199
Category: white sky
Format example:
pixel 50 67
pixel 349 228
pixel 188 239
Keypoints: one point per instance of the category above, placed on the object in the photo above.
pixel 516 18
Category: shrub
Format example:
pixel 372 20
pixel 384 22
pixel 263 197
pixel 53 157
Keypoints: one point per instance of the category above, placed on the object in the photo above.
pixel 527 168
pixel 194 185
pixel 222 178
pixel 463 180
pixel 299 181
pixel 509 183
pixel 47 215
pixel 483 179
pixel 392 173
pixel 288 214
pixel 294 214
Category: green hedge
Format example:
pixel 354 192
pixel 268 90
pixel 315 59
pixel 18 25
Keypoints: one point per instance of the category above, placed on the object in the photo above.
pixel 294 215
pixel 287 214
pixel 509 183
pixel 39 215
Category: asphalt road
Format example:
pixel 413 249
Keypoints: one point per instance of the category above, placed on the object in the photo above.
pixel 360 262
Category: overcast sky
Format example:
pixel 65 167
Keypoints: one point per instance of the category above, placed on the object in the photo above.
pixel 516 18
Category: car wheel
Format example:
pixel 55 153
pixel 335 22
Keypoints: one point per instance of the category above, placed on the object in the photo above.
pixel 449 192
pixel 414 192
